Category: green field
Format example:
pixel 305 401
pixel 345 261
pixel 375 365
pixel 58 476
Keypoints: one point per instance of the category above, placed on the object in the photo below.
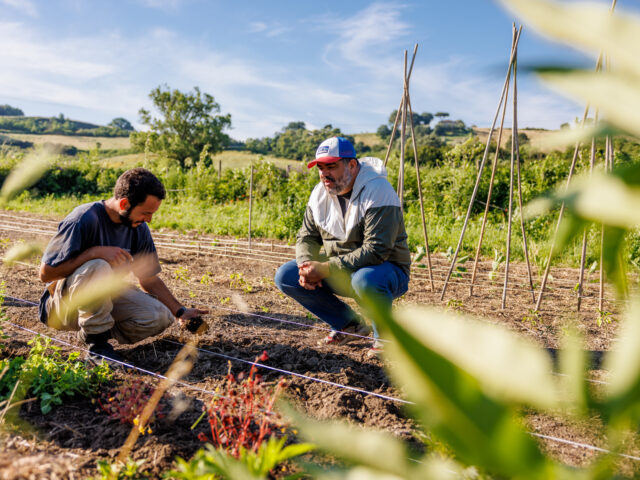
pixel 229 159
pixel 80 142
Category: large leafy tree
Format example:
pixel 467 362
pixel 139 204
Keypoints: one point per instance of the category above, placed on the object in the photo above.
pixel 188 123
pixel 121 123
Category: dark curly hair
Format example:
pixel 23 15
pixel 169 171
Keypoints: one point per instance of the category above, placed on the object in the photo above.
pixel 136 184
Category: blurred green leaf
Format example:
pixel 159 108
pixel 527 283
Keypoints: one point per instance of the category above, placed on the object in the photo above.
pixel 573 365
pixel 463 376
pixel 615 94
pixel 21 251
pixel 587 26
pixel 26 174
pixel 376 450
pixel 624 364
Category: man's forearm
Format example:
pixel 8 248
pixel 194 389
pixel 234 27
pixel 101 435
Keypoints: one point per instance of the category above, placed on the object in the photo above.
pixel 66 268
pixel 156 287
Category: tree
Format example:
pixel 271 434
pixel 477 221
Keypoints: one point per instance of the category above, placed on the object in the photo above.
pixel 8 110
pixel 185 127
pixel 442 115
pixel 383 132
pixel 121 123
pixel 295 126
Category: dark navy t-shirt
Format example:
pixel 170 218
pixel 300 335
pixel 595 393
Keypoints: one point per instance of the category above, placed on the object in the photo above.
pixel 89 226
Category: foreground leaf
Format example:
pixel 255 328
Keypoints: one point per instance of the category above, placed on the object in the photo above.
pixel 26 174
pixel 457 371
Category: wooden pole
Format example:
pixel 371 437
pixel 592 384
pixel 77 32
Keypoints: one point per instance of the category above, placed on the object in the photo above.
pixel 424 224
pixel 485 216
pixel 403 131
pixel 482 164
pixel 583 252
pixel 395 123
pixel 219 169
pixel 494 167
pixel 514 135
pixel 543 284
pixel 250 203
pixel 514 142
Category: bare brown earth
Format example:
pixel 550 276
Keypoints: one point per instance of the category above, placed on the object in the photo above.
pixel 235 283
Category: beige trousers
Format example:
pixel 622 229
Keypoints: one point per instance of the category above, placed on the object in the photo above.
pixel 131 317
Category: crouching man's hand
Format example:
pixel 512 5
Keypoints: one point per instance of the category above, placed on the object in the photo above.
pixel 190 313
pixel 312 273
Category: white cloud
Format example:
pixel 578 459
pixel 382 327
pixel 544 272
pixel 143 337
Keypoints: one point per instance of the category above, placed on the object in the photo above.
pixel 369 38
pixel 112 75
pixel 274 30
pixel 25 6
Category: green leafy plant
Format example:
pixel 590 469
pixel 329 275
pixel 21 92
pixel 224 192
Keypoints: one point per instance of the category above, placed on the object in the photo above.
pixel 459 268
pixel 454 304
pixel 237 280
pixel 182 274
pixel 604 317
pixel 206 279
pixel 121 471
pixel 50 377
pixel 498 260
pixel 209 463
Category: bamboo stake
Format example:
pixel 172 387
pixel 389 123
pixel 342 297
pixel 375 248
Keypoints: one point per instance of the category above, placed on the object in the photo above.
pixel 514 141
pixel 395 123
pixel 403 130
pixel 608 167
pixel 250 203
pixel 571 170
pixel 424 224
pixel 514 135
pixel 494 167
pixel 482 164
pixel 583 253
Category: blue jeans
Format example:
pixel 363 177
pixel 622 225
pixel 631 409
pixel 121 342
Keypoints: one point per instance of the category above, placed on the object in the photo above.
pixel 383 282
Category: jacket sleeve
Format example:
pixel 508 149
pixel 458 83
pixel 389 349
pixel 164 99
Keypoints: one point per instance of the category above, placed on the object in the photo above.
pixel 381 226
pixel 309 240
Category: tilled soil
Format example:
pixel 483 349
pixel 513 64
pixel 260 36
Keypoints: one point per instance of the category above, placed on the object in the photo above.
pixel 248 316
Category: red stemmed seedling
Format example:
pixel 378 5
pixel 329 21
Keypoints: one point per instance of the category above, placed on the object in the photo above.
pixel 242 416
pixel 126 401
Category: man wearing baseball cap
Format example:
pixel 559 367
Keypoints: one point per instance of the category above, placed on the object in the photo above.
pixel 355 216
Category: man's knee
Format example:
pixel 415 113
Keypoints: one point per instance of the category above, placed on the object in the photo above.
pixel 92 269
pixel 366 280
pixel 286 275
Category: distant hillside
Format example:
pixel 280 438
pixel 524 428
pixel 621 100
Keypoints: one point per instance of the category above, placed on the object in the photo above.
pixel 57 126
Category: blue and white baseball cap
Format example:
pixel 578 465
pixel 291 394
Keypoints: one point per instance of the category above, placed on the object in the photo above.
pixel 332 150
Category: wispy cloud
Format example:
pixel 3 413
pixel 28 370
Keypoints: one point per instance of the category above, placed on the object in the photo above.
pixel 269 30
pixel 25 6
pixel 112 75
pixel 368 38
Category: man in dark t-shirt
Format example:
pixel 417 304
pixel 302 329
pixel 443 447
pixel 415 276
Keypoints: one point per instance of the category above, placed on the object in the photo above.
pixel 92 241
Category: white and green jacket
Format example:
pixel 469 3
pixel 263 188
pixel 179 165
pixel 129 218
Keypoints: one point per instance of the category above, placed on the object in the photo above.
pixel 371 231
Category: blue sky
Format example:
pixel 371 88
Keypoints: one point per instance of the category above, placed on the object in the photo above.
pixel 271 62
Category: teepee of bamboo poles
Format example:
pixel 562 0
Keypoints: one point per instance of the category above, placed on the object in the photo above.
pixel 405 111
pixel 514 170
pixel 608 166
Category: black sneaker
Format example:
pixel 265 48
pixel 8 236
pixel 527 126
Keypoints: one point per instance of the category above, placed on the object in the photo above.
pixel 100 349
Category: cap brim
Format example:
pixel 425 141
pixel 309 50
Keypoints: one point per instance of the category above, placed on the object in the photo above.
pixel 323 160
